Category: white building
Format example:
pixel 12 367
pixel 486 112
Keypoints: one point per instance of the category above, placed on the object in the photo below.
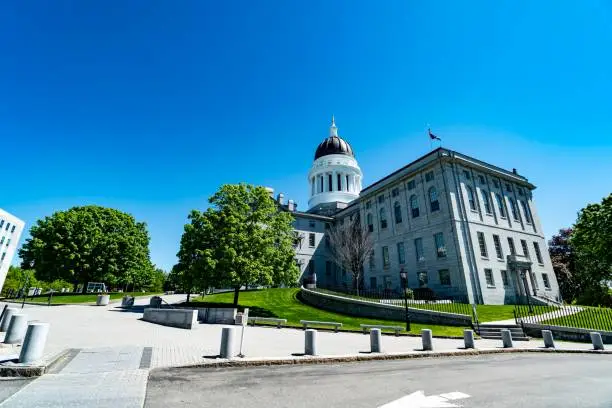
pixel 462 227
pixel 10 231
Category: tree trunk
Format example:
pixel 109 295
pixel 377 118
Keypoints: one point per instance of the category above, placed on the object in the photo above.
pixel 236 294
pixel 188 295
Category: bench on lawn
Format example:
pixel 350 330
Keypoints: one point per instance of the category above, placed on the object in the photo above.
pixel 279 322
pixel 365 328
pixel 307 323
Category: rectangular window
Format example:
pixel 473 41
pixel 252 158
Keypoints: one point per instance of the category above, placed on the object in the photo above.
pixel 498 248
pixel 311 240
pixel 429 176
pixel 1 223
pixel 411 185
pixel 373 283
pixel 8 224
pixel 466 174
pixel 422 279
pixel 3 256
pixel 328 268
pixel 8 242
pixel 489 278
pixel 372 261
pixel 401 254
pixel 418 248
pixel 508 187
pixel 395 192
pixel 13 229
pixel 546 281
pixel 440 245
pixel 511 246
pixel 496 183
pixel 505 280
pixel 520 191
pixel 339 179
pixel 486 201
pixel 536 247
pixel 481 179
pixel 482 244
pixel 444 275
pixel 368 205
pixel 385 255
pixel 525 249
pixel 526 211
pixel 1 240
pixel 381 199
pixel 330 187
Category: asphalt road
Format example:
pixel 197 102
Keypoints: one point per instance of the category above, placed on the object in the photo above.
pixel 494 381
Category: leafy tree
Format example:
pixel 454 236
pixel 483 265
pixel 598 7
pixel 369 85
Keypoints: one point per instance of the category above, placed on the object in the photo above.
pixel 351 245
pixel 89 244
pixel 158 280
pixel 564 264
pixel 242 239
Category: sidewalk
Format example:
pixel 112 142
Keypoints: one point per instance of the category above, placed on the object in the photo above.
pixel 562 311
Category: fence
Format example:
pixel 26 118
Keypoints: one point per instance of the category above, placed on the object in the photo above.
pixel 420 299
pixel 581 317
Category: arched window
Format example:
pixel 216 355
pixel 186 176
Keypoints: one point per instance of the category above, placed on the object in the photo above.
pixel 397 209
pixel 383 218
pixel 369 222
pixel 414 206
pixel 434 204
pixel 515 213
pixel 471 199
pixel 500 204
pixel 486 201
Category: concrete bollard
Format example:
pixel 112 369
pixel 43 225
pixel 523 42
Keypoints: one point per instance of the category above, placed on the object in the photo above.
pixel 17 329
pixel 375 340
pixel 468 339
pixel 597 341
pixel 103 300
pixel 549 341
pixel 6 320
pixel 227 342
pixel 426 338
pixel 507 338
pixel 34 342
pixel 310 342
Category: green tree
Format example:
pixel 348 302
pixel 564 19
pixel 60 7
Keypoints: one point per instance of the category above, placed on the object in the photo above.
pixel 591 240
pixel 89 244
pixel 564 264
pixel 158 280
pixel 242 239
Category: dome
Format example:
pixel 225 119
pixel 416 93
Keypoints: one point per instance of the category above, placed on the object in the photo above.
pixel 334 145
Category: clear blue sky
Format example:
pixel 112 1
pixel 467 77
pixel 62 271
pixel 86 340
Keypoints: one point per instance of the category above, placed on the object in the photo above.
pixel 148 106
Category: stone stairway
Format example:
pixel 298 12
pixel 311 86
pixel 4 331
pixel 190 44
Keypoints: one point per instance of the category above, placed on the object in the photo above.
pixel 493 331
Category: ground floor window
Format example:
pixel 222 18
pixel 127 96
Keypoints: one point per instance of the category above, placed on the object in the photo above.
pixel 505 278
pixel 422 279
pixel 546 281
pixel 489 278
pixel 445 278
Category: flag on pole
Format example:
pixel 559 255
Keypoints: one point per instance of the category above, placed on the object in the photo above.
pixel 432 136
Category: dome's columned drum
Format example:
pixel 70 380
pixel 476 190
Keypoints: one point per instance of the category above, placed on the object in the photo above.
pixel 334 145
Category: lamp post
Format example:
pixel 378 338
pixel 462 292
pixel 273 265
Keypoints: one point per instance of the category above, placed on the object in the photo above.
pixel 404 283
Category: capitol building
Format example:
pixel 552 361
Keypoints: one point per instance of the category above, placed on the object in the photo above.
pixel 458 225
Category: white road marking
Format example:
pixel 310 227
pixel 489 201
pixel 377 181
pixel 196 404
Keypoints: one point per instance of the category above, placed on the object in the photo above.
pixel 419 400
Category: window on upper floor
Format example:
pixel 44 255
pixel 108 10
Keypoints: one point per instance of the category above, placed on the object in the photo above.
pixel 505 280
pixel 311 240
pixel 466 174
pixel 546 280
pixel 434 204
pixel 1 241
pixel 370 222
pixel 482 244
pixel 395 192
pixel 418 249
pixel 520 191
pixel 514 209
pixel 496 183
pixel 411 185
pixel 511 246
pixel 481 178
pixel 429 176
pixel 414 206
pixel 486 202
pixel 536 248
pixel 381 199
pixel 471 198
pixel 13 229
pixel 397 210
pixel 8 242
pixel 383 218
pixel 526 211
pixel 525 248
pixel 385 256
pixel 401 254
pixel 508 187
pixel 368 205
pixel 500 205
pixel 8 224
pixel 372 261
pixel 498 247
pixel 330 185
pixel 440 245
pixel 1 223
pixel 444 276
pixel 3 256
pixel 339 181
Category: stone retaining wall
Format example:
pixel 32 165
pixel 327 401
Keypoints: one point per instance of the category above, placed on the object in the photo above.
pixel 364 308
pixel 183 318
pixel 565 333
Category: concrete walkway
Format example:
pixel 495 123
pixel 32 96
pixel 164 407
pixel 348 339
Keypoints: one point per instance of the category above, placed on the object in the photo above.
pixel 562 311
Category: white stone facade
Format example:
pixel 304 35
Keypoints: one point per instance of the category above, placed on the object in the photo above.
pixel 10 232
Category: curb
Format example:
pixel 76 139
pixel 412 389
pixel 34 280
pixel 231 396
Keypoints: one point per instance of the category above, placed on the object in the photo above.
pixel 11 369
pixel 374 357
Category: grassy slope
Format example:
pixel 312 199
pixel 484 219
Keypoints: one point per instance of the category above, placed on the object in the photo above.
pixel 593 318
pixel 283 303
pixel 73 299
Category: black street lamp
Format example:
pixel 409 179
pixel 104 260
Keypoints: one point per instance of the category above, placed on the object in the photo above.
pixel 404 283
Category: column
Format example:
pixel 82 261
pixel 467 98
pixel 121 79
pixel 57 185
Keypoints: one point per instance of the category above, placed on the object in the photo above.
pixel 312 186
pixel 342 182
pixel 335 180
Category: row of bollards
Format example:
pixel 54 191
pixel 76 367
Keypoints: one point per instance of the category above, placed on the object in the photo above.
pixel 18 330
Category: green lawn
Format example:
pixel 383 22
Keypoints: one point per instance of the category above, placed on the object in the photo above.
pixel 283 303
pixel 590 318
pixel 87 298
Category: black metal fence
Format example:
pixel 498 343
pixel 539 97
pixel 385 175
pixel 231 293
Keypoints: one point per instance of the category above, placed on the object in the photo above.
pixel 420 299
pixel 582 317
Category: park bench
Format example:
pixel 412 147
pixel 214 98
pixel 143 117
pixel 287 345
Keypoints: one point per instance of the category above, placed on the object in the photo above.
pixel 307 323
pixel 365 328
pixel 279 322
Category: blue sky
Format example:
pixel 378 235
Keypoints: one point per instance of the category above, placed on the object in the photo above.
pixel 149 106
